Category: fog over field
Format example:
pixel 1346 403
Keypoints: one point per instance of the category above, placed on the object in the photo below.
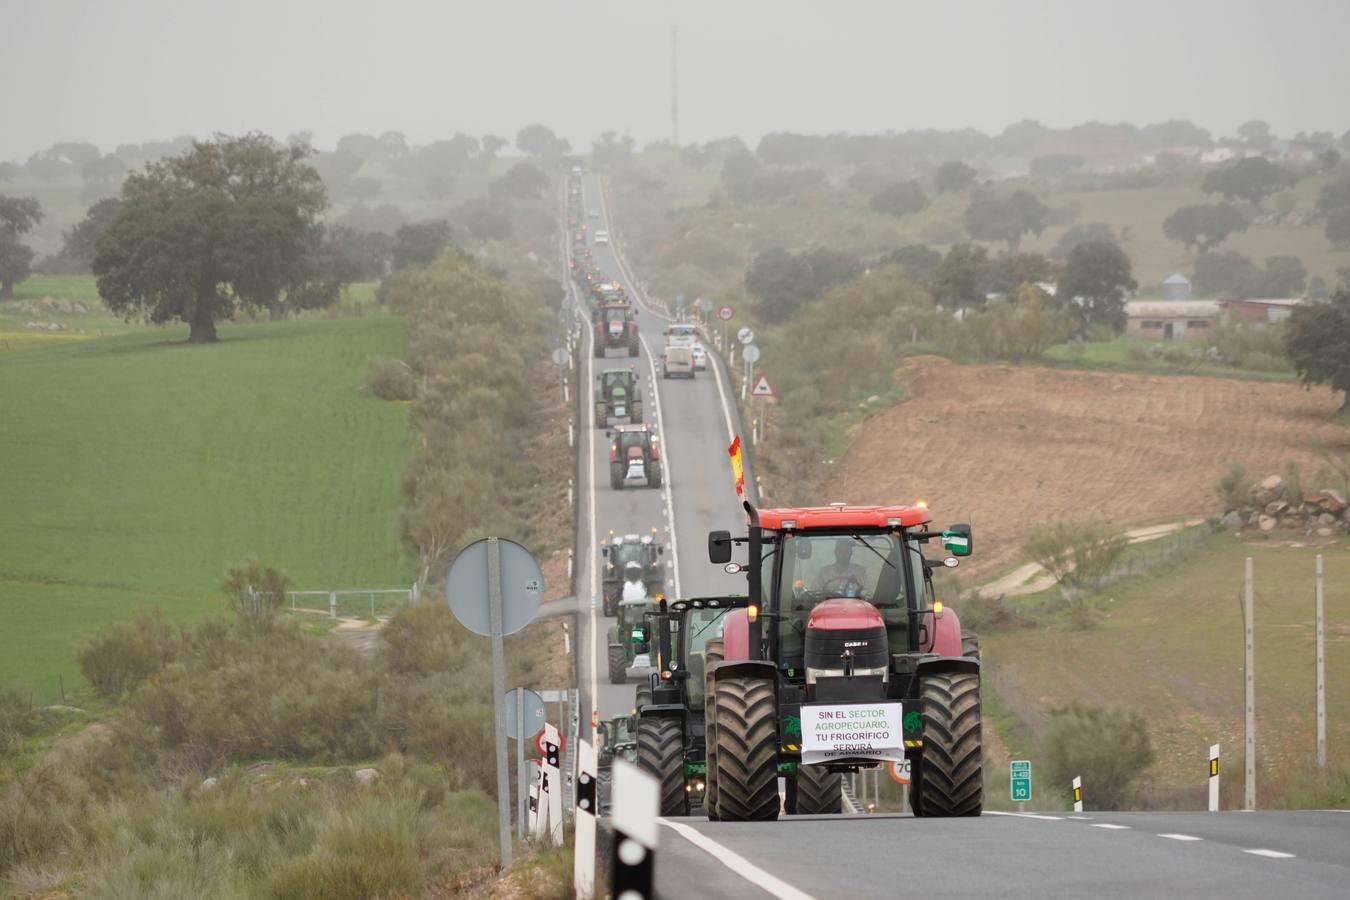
pixel 148 69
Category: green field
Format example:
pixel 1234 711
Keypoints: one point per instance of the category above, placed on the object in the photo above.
pixel 1171 648
pixel 135 468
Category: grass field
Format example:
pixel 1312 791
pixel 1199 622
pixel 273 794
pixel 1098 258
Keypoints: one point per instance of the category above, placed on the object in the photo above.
pixel 135 468
pixel 1114 355
pixel 1171 648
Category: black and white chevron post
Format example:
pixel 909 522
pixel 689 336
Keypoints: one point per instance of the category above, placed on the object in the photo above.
pixel 552 744
pixel 588 796
pixel 635 804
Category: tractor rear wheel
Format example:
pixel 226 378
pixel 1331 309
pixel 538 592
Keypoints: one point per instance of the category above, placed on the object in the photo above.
pixel 642 696
pixel 616 476
pixel 970 644
pixel 601 415
pixel 660 752
pixel 952 776
pixel 618 664
pixel 712 654
pixel 636 415
pixel 599 348
pixel 815 791
pixel 654 476
pixel 747 750
pixel 633 346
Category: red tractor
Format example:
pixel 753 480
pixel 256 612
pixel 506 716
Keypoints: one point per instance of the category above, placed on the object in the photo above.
pixel 843 660
pixel 615 326
pixel 634 455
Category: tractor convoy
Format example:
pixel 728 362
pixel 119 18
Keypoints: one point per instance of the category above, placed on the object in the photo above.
pixel 834 655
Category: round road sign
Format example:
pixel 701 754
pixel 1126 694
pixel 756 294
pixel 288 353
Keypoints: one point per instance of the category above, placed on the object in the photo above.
pixel 899 771
pixel 466 587
pixel 745 335
pixel 725 313
pixel 534 713
pixel 561 357
pixel 750 353
pixel 539 741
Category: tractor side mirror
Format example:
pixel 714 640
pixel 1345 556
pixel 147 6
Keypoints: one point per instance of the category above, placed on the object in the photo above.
pixel 609 434
pixel 958 540
pixel 719 547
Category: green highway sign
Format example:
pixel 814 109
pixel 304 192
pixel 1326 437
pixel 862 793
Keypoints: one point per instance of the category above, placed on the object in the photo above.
pixel 1019 773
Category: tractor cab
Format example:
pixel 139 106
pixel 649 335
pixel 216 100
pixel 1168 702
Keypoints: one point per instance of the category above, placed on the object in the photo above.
pixel 634 455
pixel 848 656
pixel 620 551
pixel 617 395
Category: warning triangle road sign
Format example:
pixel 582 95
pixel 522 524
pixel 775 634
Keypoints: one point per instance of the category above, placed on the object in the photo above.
pixel 762 388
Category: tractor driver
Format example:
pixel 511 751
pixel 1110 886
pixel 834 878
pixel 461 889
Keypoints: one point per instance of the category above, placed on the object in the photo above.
pixel 842 571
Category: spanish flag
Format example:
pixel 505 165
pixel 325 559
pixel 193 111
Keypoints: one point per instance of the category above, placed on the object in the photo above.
pixel 737 467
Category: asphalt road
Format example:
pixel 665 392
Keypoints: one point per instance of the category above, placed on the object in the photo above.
pixel 1224 855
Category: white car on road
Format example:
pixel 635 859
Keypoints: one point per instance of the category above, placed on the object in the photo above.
pixel 601 237
pixel 700 357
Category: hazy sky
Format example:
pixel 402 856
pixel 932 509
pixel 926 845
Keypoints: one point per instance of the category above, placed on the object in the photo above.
pixel 137 70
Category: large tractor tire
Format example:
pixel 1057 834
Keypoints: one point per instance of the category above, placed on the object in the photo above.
pixel 712 654
pixel 635 415
pixel 601 415
pixel 654 475
pixel 970 644
pixel 599 347
pixel 815 791
pixel 951 782
pixel 633 345
pixel 747 750
pixel 660 753
pixel 618 664
pixel 616 476
pixel 642 696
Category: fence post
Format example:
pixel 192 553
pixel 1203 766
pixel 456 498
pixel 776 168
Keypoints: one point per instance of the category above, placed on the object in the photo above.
pixel 332 604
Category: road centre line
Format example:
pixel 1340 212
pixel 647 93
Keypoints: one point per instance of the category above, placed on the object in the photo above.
pixel 991 812
pixel 737 863
pixel 1270 854
pixel 665 465
pixel 1181 837
pixel 1110 826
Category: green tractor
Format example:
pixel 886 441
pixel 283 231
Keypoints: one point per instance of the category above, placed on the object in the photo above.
pixel 629 630
pixel 617 395
pixel 671 739
pixel 621 549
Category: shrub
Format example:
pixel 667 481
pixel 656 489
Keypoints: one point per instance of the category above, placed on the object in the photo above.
pixel 1234 486
pixel 391 379
pixel 1077 554
pixel 16 720
pixel 255 592
pixel 1107 748
pixel 1015 331
pixel 124 654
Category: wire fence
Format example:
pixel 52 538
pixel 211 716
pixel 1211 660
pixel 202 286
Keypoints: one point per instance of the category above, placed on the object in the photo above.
pixel 369 603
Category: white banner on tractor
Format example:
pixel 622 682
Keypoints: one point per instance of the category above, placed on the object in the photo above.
pixel 832 731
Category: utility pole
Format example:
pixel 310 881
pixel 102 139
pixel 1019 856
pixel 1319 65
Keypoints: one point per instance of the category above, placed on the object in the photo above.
pixel 1321 674
pixel 1249 668
pixel 674 89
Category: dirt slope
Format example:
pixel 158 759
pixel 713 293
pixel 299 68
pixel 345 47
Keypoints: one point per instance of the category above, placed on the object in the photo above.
pixel 1004 447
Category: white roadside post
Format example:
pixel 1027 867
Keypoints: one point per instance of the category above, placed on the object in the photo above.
pixel 538 804
pixel 1249 668
pixel 1213 777
pixel 553 776
pixel 1319 665
pixel 1078 793
pixel 636 796
pixel 583 869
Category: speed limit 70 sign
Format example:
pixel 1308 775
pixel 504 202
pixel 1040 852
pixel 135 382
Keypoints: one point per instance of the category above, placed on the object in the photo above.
pixel 725 313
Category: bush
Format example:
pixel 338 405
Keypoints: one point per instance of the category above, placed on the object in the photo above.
pixel 391 379
pixel 1234 486
pixel 1079 555
pixel 1109 749
pixel 255 592
pixel 1014 331
pixel 124 654
pixel 1257 348
pixel 16 720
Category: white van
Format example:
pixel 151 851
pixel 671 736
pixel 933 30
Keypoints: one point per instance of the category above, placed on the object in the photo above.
pixel 677 360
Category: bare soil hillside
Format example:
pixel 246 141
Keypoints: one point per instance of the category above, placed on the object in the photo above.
pixel 1005 447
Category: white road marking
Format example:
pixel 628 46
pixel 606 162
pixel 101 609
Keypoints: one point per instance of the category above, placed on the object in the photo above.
pixel 1110 826
pixel 737 863
pixel 1181 837
pixel 991 812
pixel 665 465
pixel 1082 818
pixel 1272 854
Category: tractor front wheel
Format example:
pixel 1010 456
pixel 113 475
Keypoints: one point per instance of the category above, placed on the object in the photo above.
pixel 618 664
pixel 815 791
pixel 660 752
pixel 951 780
pixel 746 754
